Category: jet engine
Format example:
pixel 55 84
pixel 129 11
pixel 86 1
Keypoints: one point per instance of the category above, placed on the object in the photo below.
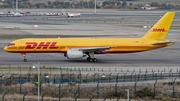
pixel 74 54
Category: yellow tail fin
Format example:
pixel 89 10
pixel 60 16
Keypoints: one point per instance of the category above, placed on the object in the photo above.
pixel 160 30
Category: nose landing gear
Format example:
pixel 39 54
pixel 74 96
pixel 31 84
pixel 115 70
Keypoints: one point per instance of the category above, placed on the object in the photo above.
pixel 24 56
pixel 25 60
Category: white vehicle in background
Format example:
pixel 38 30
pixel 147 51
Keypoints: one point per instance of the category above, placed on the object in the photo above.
pixel 1 14
pixel 17 14
pixel 51 14
pixel 11 14
pixel 71 14
pixel 14 14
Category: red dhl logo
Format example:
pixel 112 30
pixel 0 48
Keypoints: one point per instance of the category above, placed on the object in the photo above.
pixel 41 45
pixel 158 30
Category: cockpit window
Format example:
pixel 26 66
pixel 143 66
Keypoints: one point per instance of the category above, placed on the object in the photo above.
pixel 11 44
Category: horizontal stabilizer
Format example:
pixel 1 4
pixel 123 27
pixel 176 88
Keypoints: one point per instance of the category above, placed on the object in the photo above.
pixel 162 43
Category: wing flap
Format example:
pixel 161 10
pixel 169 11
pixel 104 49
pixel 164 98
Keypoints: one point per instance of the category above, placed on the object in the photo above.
pixel 94 49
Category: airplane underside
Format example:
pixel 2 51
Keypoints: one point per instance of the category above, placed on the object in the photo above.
pixel 90 55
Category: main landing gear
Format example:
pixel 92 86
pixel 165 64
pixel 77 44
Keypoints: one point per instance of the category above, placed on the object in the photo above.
pixel 91 58
pixel 24 56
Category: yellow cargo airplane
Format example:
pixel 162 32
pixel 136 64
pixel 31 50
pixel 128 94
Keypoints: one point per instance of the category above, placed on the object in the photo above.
pixel 76 48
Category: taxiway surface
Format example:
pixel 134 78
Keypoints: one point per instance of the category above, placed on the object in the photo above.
pixel 155 58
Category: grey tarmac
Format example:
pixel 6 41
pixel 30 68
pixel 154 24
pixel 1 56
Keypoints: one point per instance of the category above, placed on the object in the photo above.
pixel 159 58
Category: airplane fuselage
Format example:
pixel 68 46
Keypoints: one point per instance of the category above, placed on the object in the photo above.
pixel 62 45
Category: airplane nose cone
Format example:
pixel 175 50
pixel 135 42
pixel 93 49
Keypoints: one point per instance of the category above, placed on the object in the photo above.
pixel 5 49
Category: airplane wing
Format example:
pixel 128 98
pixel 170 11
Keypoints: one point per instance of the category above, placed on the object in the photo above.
pixel 162 43
pixel 94 49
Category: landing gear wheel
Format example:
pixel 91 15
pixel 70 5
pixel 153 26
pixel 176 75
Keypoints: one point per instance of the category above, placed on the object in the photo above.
pixel 91 58
pixel 24 56
pixel 25 60
pixel 95 60
pixel 88 58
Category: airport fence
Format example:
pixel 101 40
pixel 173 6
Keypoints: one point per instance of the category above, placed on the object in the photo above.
pixel 89 83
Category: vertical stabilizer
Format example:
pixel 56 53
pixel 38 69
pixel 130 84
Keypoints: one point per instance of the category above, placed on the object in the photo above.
pixel 160 30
